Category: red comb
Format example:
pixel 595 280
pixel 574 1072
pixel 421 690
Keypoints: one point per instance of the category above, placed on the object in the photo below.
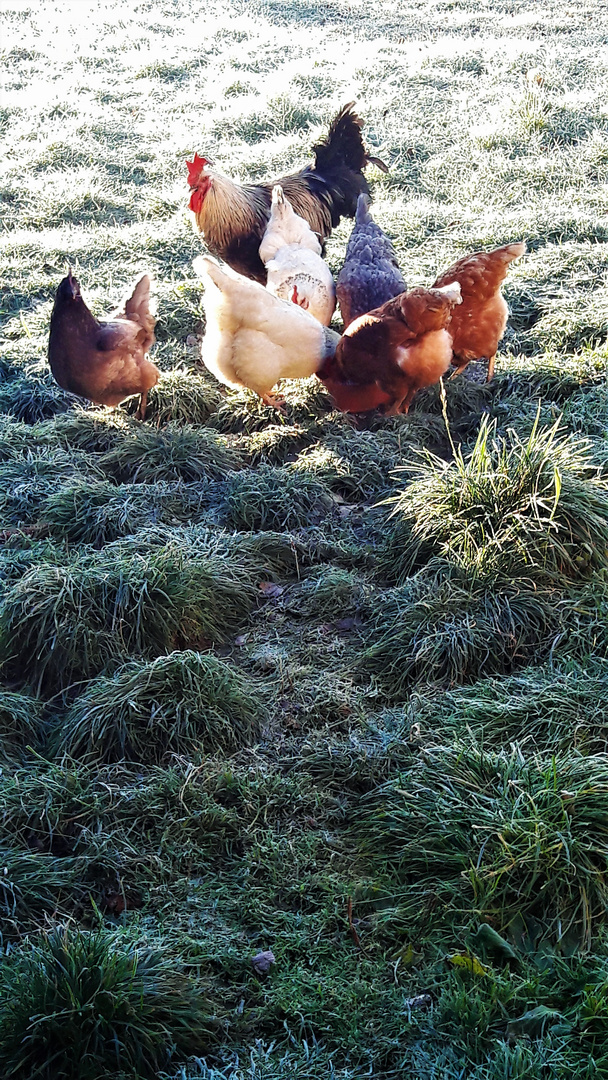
pixel 194 169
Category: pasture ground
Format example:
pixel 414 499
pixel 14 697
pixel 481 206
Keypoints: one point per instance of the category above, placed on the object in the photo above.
pixel 246 703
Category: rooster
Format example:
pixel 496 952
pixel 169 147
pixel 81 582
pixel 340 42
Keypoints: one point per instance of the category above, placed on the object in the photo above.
pixel 387 355
pixel 105 361
pixel 252 338
pixel 291 254
pixel 370 275
pixel 232 217
pixel 479 323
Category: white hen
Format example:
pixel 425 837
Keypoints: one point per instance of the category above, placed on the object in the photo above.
pixel 291 252
pixel 254 338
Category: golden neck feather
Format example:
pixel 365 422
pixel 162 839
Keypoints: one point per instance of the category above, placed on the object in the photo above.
pixel 230 210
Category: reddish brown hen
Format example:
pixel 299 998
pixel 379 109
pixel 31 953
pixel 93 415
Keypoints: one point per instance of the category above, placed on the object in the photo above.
pixel 479 323
pixel 386 356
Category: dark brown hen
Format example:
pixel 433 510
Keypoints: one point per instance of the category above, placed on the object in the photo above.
pixel 103 360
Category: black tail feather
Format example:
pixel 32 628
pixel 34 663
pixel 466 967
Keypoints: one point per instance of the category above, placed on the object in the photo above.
pixel 337 175
pixel 343 145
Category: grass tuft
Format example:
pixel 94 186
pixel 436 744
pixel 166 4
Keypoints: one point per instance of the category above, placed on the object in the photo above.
pixel 20 725
pixel 535 509
pixel 187 703
pixel 81 1005
pixel 173 453
pixel 33 399
pixel 183 397
pixel 443 627
pixel 67 622
pixel 274 498
pixel 525 838
pixel 96 512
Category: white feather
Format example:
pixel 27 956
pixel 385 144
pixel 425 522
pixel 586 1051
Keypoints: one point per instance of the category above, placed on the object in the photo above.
pixel 252 337
pixel 291 253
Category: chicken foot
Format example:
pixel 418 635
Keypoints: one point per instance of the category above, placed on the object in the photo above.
pixel 459 370
pixel 274 401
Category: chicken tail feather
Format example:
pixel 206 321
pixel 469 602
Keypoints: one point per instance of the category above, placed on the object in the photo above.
pixel 138 304
pixel 344 144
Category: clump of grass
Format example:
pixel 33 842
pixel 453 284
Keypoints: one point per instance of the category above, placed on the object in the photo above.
pixel 182 816
pixel 27 480
pixel 275 443
pixel 549 376
pixel 81 1005
pixel 274 498
pixel 187 703
pixel 98 512
pixel 351 462
pixel 537 508
pixel 559 706
pixel 20 724
pixel 443 626
pixel 62 623
pixel 527 837
pixel 243 411
pixel 15 436
pixel 329 592
pixel 32 399
pixel 94 431
pixel 586 410
pixel 31 884
pixel 183 397
pixel 175 453
pixel 21 551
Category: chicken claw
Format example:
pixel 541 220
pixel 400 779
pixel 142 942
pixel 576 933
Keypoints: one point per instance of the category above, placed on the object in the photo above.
pixel 276 402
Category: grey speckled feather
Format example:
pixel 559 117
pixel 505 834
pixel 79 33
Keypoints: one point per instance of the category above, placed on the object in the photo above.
pixel 370 275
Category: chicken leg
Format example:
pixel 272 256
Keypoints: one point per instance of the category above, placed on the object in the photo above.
pixel 143 402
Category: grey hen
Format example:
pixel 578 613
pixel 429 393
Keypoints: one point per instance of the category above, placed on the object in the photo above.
pixel 370 275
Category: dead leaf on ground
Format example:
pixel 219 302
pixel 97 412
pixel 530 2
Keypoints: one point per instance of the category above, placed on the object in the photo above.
pixel 270 589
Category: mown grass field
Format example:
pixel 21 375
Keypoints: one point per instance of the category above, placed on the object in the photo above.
pixel 286 683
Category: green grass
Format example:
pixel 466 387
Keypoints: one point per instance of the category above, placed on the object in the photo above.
pixel 65 623
pixel 239 687
pixel 20 724
pixel 173 453
pixel 186 703
pixel 525 839
pixel 522 509
pixel 274 498
pixel 75 1002
pixel 443 626
pixel 98 512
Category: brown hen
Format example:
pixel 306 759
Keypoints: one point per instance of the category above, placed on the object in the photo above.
pixel 104 361
pixel 479 323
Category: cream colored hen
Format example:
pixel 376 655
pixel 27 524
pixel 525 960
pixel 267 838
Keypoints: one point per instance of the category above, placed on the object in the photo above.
pixel 252 338
pixel 291 253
